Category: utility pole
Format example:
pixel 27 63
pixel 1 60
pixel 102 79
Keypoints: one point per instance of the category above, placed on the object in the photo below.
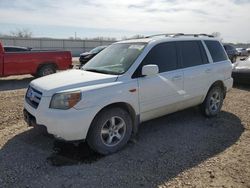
pixel 75 35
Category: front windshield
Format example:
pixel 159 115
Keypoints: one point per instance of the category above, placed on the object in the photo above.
pixel 115 59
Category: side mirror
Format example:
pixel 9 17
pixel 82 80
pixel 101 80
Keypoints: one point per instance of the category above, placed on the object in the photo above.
pixel 149 70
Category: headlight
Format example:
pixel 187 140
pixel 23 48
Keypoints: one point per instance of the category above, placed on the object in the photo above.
pixel 66 100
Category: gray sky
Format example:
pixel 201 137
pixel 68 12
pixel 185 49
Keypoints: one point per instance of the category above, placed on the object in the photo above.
pixel 118 18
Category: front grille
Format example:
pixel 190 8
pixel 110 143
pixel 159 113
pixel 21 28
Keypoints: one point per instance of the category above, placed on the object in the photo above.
pixel 33 97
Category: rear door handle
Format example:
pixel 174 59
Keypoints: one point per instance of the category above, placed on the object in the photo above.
pixel 208 70
pixel 177 77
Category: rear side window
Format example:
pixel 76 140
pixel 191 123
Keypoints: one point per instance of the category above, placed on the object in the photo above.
pixel 216 50
pixel 193 53
pixel 164 55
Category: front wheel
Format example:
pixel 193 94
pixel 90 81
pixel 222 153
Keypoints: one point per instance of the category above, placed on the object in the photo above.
pixel 213 102
pixel 110 131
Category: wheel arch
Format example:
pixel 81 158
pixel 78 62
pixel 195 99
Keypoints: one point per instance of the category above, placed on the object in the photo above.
pixel 40 65
pixel 220 84
pixel 126 106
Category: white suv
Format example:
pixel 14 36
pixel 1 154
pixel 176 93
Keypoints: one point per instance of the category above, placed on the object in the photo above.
pixel 128 83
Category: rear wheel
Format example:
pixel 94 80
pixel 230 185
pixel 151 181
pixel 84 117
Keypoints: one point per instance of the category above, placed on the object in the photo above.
pixel 213 101
pixel 110 131
pixel 46 70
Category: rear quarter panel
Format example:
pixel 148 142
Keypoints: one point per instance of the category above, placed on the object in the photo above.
pixel 221 71
pixel 63 60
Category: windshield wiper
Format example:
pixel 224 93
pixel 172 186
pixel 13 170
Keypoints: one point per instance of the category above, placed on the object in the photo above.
pixel 94 70
pixel 100 71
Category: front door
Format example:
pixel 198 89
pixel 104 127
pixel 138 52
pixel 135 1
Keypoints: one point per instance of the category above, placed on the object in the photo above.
pixel 161 93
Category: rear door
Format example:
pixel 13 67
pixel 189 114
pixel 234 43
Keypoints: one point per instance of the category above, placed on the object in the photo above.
pixel 159 94
pixel 196 71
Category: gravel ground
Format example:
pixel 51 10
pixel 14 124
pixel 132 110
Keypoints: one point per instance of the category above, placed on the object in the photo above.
pixel 183 149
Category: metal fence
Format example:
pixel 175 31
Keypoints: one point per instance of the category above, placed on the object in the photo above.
pixel 75 46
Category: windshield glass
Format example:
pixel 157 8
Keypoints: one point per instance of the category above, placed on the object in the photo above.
pixel 115 59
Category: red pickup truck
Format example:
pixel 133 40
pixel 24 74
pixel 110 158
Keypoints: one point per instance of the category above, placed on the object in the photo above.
pixel 36 63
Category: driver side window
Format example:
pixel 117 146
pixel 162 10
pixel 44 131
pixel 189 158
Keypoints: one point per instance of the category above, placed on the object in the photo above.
pixel 164 55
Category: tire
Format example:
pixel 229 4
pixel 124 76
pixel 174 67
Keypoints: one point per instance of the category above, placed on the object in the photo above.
pixel 213 101
pixel 46 70
pixel 110 131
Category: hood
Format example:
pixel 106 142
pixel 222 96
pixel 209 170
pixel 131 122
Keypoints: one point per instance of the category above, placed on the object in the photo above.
pixel 71 79
pixel 85 54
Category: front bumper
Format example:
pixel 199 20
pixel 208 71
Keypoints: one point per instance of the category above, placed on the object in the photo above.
pixel 31 120
pixel 69 125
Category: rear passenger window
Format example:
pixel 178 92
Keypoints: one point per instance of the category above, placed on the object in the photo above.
pixel 193 53
pixel 164 55
pixel 216 50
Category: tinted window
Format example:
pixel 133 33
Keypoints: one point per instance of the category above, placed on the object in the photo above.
pixel 203 53
pixel 164 55
pixel 216 51
pixel 193 53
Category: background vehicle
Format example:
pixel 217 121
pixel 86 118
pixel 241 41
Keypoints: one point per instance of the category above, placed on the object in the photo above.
pixel 86 56
pixel 130 82
pixel 37 63
pixel 16 49
pixel 248 50
pixel 241 71
pixel 242 51
pixel 231 52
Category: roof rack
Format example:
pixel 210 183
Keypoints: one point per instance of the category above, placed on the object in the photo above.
pixel 164 34
pixel 180 34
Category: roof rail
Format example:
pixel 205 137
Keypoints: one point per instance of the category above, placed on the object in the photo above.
pixel 164 34
pixel 197 35
pixel 179 34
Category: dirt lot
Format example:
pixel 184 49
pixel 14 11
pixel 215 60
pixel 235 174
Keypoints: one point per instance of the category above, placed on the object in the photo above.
pixel 181 149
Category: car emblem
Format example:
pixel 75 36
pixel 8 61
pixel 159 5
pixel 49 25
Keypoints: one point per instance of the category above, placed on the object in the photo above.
pixel 30 94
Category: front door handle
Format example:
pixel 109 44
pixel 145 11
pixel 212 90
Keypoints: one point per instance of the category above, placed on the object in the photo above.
pixel 177 77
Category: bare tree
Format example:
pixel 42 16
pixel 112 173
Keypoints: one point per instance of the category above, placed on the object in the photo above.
pixel 138 36
pixel 22 33
pixel 100 38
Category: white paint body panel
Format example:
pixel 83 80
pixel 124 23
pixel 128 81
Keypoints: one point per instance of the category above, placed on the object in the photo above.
pixel 155 95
